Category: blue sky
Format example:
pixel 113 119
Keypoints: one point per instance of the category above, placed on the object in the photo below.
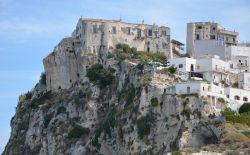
pixel 29 30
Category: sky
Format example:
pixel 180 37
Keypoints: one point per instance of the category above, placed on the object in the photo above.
pixel 30 29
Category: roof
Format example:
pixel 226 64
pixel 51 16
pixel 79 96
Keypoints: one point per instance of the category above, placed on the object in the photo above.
pixel 176 42
pixel 116 21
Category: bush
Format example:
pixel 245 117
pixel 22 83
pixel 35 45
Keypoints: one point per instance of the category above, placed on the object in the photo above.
pixel 221 100
pixel 242 119
pixel 77 132
pixel 154 101
pixel 235 85
pixel 40 100
pixel 245 108
pixel 100 76
pixel 227 111
pixel 143 126
pixel 172 69
pixel 61 109
pixel 28 95
pixel 186 113
pixel 47 119
pixel 43 78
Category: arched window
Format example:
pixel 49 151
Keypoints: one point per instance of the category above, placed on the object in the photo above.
pixel 236 97
pixel 245 99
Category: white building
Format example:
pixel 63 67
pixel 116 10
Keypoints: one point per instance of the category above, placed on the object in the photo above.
pixel 206 37
pixel 209 68
pixel 244 80
pixel 239 57
pixel 236 97
pixel 213 69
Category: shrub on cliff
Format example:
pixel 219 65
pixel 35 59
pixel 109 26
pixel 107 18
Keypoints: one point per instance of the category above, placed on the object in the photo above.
pixel 245 108
pixel 100 76
pixel 78 131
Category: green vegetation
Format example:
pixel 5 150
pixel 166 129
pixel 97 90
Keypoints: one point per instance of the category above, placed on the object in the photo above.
pixel 40 100
pixel 105 126
pixel 154 101
pixel 232 118
pixel 100 76
pixel 246 133
pixel 186 113
pixel 77 132
pixel 28 95
pixel 176 153
pixel 123 51
pixel 245 108
pixel 61 109
pixel 235 85
pixel 47 119
pixel 43 78
pixel 221 100
pixel 143 125
pixel 172 69
pixel 227 111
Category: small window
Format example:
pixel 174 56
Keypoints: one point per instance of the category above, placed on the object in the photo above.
pixel 139 33
pixel 180 65
pixel 214 28
pixel 231 66
pixel 198 67
pixel 228 96
pixel 245 99
pixel 129 30
pixel 197 37
pixel 239 61
pixel 234 40
pixel 212 37
pixel 203 88
pixel 236 97
pixel 199 27
pixel 163 33
pixel 114 30
pixel 150 32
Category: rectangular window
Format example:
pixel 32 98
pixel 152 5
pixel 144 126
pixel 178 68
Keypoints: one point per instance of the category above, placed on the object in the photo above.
pixel 197 37
pixel 129 30
pixel 199 27
pixel 114 30
pixel 150 33
pixel 180 65
pixel 139 33
pixel 163 33
pixel 212 37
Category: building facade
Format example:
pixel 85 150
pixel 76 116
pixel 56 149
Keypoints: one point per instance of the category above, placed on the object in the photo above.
pixel 200 32
pixel 97 35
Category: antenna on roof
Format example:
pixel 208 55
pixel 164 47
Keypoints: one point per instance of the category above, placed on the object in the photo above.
pixel 143 21
pixel 120 19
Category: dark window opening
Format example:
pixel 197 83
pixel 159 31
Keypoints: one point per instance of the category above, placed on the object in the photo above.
pixel 197 36
pixel 138 32
pixel 180 65
pixel 114 30
pixel 150 32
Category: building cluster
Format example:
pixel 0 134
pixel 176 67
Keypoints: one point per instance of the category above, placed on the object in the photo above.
pixel 218 68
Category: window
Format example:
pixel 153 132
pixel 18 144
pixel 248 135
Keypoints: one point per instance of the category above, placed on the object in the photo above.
pixel 203 88
pixel 148 49
pixel 94 29
pixel 164 33
pixel 164 45
pixel 231 66
pixel 188 89
pixel 226 38
pixel 245 62
pixel 180 65
pixel 198 67
pixel 114 30
pixel 197 37
pixel 129 30
pixel 199 27
pixel 139 33
pixel 239 61
pixel 214 28
pixel 212 37
pixel 150 32
pixel 245 99
pixel 236 97
pixel 234 40
pixel 228 96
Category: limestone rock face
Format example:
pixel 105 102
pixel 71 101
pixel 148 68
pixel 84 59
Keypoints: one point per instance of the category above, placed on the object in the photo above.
pixel 67 64
pixel 133 114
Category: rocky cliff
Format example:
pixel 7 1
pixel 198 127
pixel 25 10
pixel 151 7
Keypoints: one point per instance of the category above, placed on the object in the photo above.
pixel 119 106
